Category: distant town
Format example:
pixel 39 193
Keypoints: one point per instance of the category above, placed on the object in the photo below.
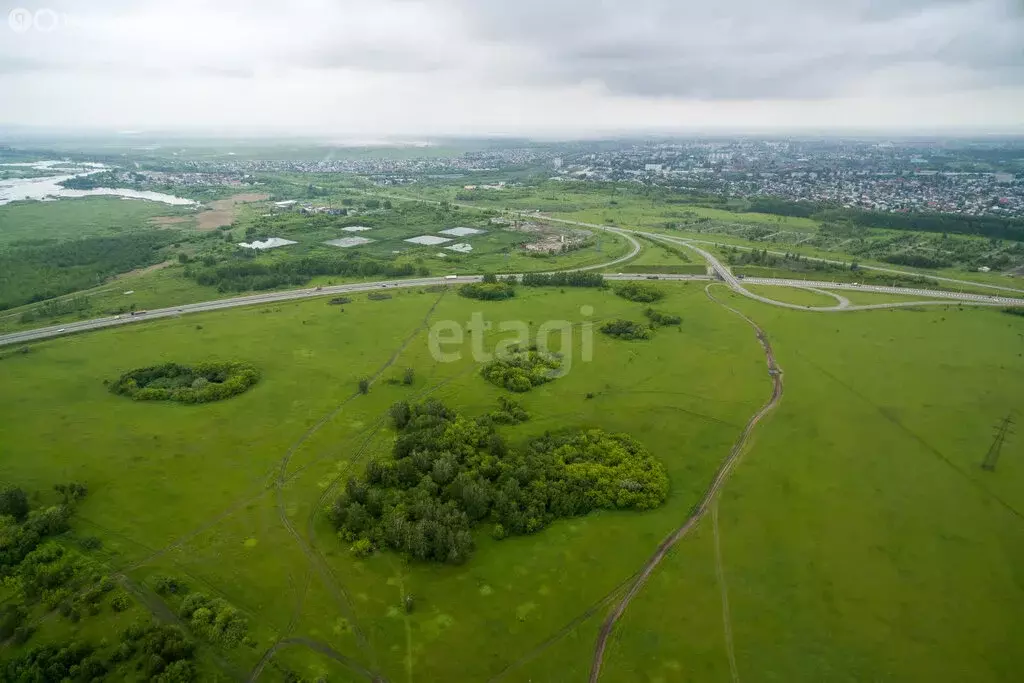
pixel 965 177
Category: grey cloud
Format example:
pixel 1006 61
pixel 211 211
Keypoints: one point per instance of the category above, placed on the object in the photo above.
pixel 755 49
pixel 718 50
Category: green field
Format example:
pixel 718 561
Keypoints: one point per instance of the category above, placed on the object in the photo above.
pixel 858 538
pixel 793 295
pixel 867 298
pixel 84 217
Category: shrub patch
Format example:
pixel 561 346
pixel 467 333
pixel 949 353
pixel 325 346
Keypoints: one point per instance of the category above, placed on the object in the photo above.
pixel 202 383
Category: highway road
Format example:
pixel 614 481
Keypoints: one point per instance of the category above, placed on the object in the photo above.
pixel 720 271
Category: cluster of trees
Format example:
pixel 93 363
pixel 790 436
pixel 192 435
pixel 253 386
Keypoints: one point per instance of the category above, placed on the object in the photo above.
pixel 206 382
pixel 1014 310
pixel 788 261
pixel 917 260
pixel 22 530
pixel 626 329
pixel 214 619
pixel 574 278
pixel 71 662
pixel 37 570
pixel 663 319
pixel 449 473
pixel 35 272
pixel 521 371
pixel 161 654
pixel 489 291
pixel 640 292
pixel 54 575
pixel 247 274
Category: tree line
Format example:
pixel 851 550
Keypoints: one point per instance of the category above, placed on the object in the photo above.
pixel 573 278
pixel 251 275
pixel 449 473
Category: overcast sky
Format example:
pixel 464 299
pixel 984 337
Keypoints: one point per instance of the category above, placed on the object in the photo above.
pixel 532 67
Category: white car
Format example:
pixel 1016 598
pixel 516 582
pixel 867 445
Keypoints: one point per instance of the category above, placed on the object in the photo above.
pixel 63 329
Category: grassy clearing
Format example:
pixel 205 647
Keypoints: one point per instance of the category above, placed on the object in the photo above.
pixel 867 298
pixel 858 514
pixel 793 295
pixel 853 521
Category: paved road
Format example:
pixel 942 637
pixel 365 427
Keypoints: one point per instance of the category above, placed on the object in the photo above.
pixel 879 269
pixel 721 272
pixel 268 298
pixel 735 283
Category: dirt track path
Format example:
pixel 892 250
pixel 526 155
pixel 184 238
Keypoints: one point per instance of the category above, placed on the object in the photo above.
pixel 703 506
pixel 730 650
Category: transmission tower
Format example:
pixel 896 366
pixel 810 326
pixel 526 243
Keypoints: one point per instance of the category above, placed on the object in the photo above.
pixel 1002 431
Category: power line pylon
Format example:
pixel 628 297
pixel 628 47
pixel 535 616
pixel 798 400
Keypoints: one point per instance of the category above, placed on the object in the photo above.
pixel 1002 431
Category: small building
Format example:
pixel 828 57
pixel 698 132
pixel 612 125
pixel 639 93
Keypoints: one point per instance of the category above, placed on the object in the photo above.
pixel 286 205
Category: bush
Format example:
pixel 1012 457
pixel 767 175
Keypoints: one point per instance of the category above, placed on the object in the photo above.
pixel 637 291
pixel 339 301
pixel 204 383
pixel 362 548
pixel 509 412
pixel 214 619
pixel 364 386
pixel 13 503
pixel 120 601
pixel 409 376
pixel 493 291
pixel 522 370
pixel 658 318
pixel 91 543
pixel 167 585
pixel 626 329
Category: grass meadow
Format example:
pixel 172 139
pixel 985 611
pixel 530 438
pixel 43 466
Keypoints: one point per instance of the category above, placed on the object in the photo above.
pixel 83 217
pixel 859 539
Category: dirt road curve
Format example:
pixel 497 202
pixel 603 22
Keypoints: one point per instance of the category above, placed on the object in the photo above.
pixel 703 506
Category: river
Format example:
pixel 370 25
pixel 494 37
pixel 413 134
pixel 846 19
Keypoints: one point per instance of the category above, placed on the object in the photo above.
pixel 48 188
